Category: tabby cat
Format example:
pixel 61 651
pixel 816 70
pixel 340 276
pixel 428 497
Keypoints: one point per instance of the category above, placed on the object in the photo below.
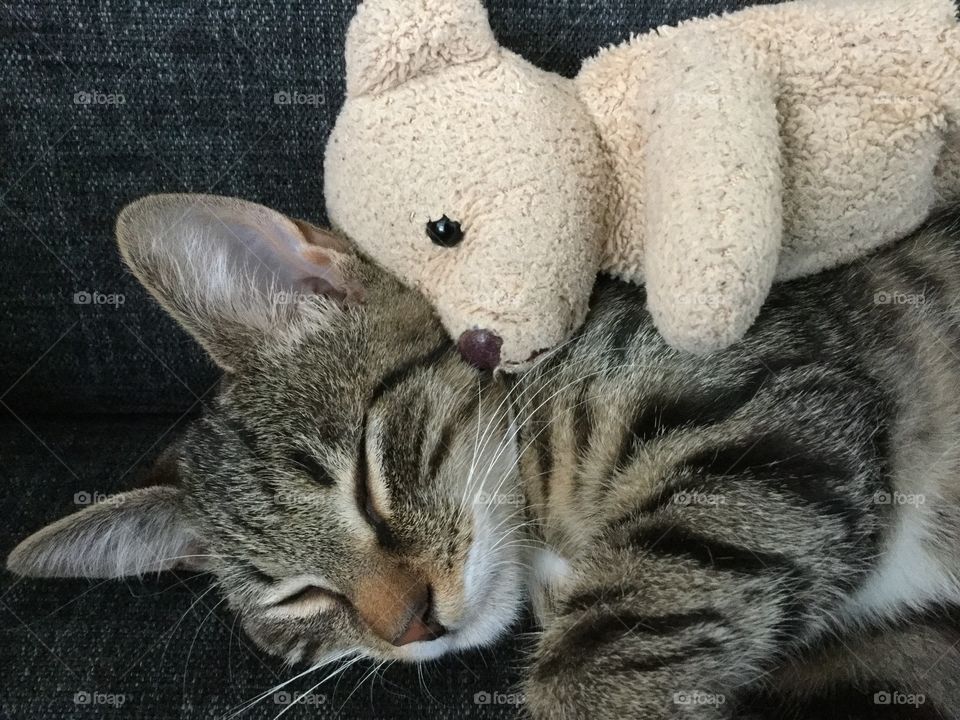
pixel 694 533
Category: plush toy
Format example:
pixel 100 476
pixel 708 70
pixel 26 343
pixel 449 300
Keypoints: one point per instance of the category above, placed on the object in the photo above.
pixel 706 161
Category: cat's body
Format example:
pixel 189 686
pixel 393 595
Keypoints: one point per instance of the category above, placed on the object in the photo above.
pixel 691 530
pixel 805 482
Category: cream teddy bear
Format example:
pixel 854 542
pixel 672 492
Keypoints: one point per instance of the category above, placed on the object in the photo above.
pixel 706 161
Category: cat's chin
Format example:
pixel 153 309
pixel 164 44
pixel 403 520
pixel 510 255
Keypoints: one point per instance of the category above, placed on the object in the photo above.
pixel 468 638
pixel 426 651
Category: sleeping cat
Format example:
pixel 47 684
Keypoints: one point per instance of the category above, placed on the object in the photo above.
pixel 691 531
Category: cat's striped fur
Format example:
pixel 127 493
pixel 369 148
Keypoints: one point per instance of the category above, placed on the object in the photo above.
pixel 724 513
pixel 701 537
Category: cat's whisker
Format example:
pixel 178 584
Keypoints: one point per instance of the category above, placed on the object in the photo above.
pixel 520 544
pixel 516 524
pixel 468 500
pixel 198 555
pixel 507 541
pixel 504 403
pixel 508 473
pixel 370 674
pixel 511 388
pixel 515 537
pixel 246 705
pixel 496 417
pixel 526 447
pixel 424 685
pixel 476 443
pixel 183 617
pixel 297 698
pixel 476 438
pixel 511 563
pixel 196 634
pixel 520 423
pixel 492 551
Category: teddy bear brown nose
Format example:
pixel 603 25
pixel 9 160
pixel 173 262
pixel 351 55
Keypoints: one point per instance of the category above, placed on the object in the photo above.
pixel 480 348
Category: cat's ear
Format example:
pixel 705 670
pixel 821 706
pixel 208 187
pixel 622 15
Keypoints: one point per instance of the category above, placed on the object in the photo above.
pixel 232 272
pixel 132 533
pixel 392 41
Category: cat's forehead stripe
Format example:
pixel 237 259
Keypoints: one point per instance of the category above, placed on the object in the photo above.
pixel 400 373
pixel 239 427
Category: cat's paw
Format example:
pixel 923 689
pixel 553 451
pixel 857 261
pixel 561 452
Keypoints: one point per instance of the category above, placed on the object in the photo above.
pixel 589 664
pixel 593 695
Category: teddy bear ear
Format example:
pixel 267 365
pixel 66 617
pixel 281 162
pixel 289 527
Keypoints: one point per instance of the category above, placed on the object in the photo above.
pixel 392 41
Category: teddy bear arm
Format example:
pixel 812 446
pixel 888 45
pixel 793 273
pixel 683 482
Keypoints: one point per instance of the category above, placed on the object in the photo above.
pixel 713 214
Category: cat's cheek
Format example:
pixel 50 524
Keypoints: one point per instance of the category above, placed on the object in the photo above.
pixel 269 637
pixel 302 641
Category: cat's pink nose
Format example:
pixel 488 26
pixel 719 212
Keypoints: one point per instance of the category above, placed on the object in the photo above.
pixel 397 605
pixel 422 627
pixel 480 348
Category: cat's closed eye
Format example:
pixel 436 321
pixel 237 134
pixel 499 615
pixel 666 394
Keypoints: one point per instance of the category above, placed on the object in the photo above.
pixel 306 601
pixel 367 504
pixel 371 500
pixel 311 466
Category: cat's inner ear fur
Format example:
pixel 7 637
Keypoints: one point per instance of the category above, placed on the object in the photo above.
pixel 134 533
pixel 233 273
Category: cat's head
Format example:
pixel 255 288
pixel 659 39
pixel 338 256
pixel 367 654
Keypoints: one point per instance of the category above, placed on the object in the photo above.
pixel 341 486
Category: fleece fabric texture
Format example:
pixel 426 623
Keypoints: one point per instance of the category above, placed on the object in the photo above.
pixel 705 160
pixel 97 387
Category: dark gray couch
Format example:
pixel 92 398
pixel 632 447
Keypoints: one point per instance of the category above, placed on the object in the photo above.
pixel 91 392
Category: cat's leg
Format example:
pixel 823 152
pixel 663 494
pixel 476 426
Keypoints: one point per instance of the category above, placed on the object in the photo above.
pixel 697 592
pixel 668 618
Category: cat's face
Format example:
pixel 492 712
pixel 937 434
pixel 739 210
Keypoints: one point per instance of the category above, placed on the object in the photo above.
pixel 342 486
pixel 347 505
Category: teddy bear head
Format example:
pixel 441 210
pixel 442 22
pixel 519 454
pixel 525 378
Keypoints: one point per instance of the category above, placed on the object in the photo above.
pixel 470 174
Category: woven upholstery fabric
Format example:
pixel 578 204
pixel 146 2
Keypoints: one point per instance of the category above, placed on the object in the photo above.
pixel 104 102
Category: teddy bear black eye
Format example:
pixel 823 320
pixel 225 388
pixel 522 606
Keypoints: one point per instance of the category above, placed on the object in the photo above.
pixel 445 232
